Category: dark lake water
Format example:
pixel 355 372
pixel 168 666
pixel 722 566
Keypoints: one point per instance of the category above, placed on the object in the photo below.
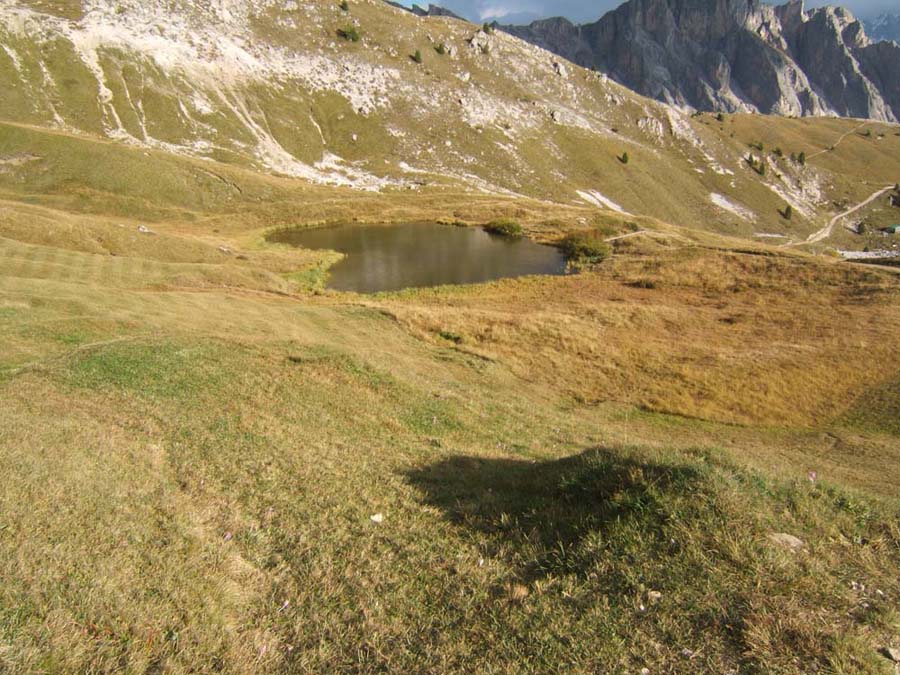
pixel 392 257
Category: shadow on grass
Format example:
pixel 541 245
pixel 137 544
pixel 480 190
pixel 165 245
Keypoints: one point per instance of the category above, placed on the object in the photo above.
pixel 559 517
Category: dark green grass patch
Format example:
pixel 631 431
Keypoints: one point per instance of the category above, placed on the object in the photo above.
pixel 74 338
pixel 504 227
pixel 878 410
pixel 585 246
pixel 164 370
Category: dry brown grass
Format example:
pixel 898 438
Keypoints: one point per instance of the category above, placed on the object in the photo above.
pixel 715 335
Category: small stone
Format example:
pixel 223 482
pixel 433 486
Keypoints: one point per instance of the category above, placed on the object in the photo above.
pixel 377 518
pixel 787 541
pixel 645 671
pixel 654 596
pixel 891 653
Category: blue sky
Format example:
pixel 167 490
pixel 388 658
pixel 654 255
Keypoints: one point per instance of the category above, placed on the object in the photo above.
pixel 519 11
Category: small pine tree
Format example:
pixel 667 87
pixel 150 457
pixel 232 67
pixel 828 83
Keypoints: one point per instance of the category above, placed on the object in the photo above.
pixel 345 6
pixel 624 158
pixel 350 34
pixel 788 212
pixel 802 158
pixel 720 117
pixel 417 57
pixel 441 49
pixel 488 28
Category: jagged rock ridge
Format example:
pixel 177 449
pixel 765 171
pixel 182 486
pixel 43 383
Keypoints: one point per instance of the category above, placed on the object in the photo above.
pixel 431 10
pixel 735 55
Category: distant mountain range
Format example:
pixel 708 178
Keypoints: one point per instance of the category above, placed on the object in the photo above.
pixel 884 27
pixel 735 55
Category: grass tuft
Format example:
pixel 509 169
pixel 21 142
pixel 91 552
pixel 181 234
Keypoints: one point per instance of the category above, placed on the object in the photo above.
pixel 504 227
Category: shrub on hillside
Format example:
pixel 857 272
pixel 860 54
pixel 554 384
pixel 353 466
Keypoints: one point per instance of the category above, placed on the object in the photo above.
pixel 345 6
pixel 624 158
pixel 417 57
pixel 350 34
pixel 504 227
pixel 585 246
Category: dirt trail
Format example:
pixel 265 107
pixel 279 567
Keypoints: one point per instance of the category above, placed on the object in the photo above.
pixel 825 232
pixel 838 142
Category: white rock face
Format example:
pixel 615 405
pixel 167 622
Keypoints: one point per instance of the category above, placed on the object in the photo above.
pixel 727 205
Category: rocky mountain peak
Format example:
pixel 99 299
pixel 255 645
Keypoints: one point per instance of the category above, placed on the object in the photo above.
pixel 734 55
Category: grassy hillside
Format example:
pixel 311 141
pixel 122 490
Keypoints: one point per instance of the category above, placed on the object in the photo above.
pixel 681 459
pixel 273 86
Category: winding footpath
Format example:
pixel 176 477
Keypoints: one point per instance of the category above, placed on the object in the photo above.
pixel 825 232
pixel 838 141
